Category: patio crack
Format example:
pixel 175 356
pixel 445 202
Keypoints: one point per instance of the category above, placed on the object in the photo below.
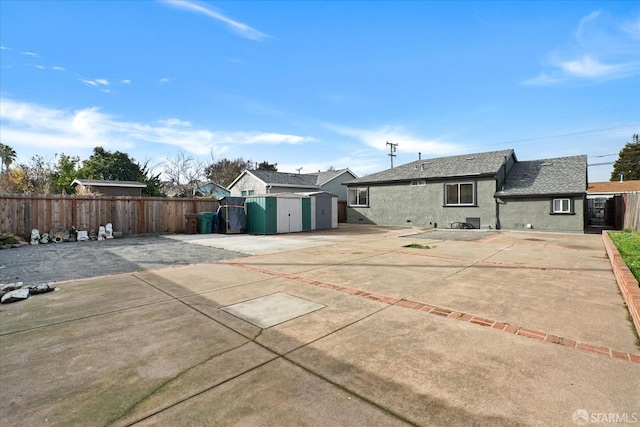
pixel 131 408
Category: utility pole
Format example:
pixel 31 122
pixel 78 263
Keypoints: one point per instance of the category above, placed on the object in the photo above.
pixel 392 149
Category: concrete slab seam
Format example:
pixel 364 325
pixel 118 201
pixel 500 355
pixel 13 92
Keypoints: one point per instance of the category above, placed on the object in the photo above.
pixel 276 354
pixel 455 315
pixel 497 263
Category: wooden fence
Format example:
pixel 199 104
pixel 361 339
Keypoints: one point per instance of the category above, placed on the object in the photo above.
pixel 627 211
pixel 20 213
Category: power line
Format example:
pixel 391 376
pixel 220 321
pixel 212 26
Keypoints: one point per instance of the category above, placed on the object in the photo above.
pixel 537 138
pixel 603 155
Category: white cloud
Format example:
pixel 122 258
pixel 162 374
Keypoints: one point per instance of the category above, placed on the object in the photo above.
pixel 57 68
pixel 590 68
pixel 407 143
pixel 543 79
pixel 30 54
pixel 174 122
pixel 4 48
pixel 97 83
pixel 164 80
pixel 584 23
pixel 601 49
pixel 32 125
pixel 126 82
pixel 632 28
pixel 239 28
pixel 272 138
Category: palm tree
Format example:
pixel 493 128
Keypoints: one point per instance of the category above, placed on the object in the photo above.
pixel 7 156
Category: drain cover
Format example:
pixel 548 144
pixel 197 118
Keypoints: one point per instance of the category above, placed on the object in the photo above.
pixel 270 310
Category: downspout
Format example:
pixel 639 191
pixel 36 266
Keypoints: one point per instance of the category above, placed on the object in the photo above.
pixel 269 189
pixel 504 171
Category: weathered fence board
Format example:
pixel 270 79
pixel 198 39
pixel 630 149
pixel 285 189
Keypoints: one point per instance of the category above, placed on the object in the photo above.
pixel 632 211
pixel 20 213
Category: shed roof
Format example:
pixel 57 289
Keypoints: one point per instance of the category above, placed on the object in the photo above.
pixel 108 183
pixel 285 179
pixel 561 175
pixel 467 165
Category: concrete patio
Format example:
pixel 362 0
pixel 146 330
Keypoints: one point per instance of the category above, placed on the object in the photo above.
pixel 510 329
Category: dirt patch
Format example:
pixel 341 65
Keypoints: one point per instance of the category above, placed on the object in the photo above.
pixel 460 235
pixel 55 262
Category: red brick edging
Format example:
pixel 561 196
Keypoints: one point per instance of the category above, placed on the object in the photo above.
pixel 451 314
pixel 519 330
pixel 629 287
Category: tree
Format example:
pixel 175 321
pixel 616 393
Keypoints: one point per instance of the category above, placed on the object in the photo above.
pixel 111 166
pixel 31 178
pixel 154 186
pixel 64 174
pixel 184 173
pixel 628 163
pixel 266 166
pixel 7 157
pixel 224 171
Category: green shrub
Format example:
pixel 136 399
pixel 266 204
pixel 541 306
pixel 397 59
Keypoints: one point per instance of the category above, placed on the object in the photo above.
pixel 8 239
pixel 628 244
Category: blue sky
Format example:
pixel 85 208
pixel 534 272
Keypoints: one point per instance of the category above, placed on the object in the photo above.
pixel 320 84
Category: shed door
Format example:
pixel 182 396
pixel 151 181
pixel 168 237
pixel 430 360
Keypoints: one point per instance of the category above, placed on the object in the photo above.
pixel 323 213
pixel 289 215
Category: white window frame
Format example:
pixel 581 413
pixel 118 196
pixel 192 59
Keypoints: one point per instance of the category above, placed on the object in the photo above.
pixel 562 206
pixel 458 184
pixel 358 200
pixel 247 193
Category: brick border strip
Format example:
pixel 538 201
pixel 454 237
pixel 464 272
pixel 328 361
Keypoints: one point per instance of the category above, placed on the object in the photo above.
pixel 519 330
pixel 629 286
pixel 455 315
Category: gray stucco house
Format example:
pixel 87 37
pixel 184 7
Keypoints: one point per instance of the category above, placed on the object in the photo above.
pixel 252 182
pixel 487 190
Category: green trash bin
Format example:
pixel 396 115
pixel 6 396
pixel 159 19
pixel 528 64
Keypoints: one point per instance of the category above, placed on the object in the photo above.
pixel 205 222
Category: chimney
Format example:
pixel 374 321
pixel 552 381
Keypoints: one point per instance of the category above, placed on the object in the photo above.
pixel 419 156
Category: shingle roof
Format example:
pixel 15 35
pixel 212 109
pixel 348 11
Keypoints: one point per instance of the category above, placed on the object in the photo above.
pixel 477 164
pixel 287 179
pixel 326 176
pixel 562 175
pixel 613 187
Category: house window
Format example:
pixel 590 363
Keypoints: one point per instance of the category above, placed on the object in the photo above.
pixel 460 194
pixel 561 206
pixel 359 196
pixel 419 182
pixel 245 193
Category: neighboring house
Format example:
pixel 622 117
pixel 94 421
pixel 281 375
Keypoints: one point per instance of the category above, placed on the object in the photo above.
pixel 109 187
pixel 487 190
pixel 256 182
pixel 211 189
pixel 600 195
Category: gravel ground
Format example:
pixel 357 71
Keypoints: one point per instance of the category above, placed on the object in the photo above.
pixel 55 262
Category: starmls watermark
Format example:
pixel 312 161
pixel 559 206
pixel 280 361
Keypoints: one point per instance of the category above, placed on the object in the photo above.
pixel 582 417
